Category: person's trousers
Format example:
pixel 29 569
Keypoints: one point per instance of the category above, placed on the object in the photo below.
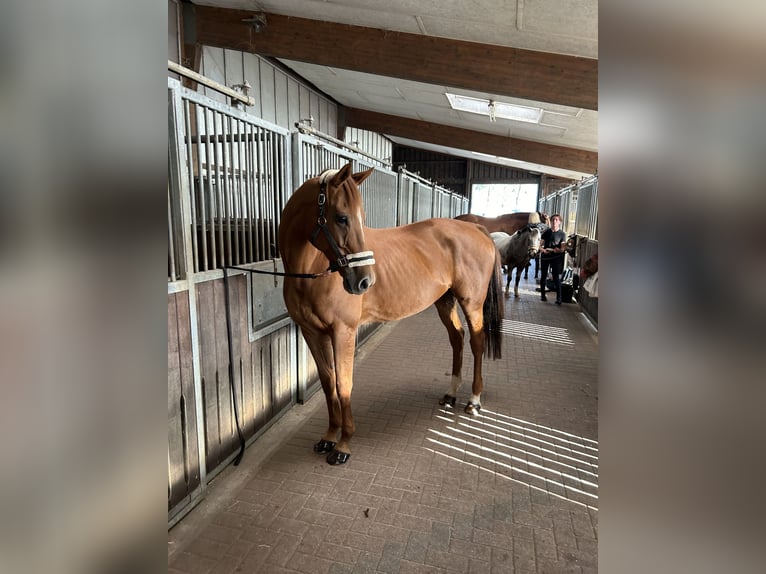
pixel 556 267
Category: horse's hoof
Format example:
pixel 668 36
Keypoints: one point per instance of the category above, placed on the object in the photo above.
pixel 336 457
pixel 448 400
pixel 472 408
pixel 324 446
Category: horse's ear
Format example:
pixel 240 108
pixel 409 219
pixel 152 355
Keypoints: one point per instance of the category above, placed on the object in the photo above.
pixel 343 174
pixel 362 175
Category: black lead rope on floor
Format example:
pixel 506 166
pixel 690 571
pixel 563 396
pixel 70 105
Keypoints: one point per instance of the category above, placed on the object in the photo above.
pixel 229 337
pixel 232 385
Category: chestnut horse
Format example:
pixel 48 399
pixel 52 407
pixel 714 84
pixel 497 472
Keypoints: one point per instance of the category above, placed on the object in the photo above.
pixel 345 274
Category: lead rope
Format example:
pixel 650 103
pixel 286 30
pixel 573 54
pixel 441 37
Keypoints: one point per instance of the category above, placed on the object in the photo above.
pixel 232 385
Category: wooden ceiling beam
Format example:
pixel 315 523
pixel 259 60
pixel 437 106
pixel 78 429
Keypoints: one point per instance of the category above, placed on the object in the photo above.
pixel 439 134
pixel 526 74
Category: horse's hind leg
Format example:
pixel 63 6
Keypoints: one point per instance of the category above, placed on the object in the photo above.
pixel 475 318
pixel 447 308
pixel 320 346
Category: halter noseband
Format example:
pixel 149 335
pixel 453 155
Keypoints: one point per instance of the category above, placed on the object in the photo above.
pixel 350 259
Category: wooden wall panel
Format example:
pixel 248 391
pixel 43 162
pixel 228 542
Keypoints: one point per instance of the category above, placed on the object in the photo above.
pixel 268 102
pixel 183 453
pixel 280 97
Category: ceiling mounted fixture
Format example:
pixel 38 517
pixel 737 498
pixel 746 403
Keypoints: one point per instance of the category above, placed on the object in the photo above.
pixel 494 109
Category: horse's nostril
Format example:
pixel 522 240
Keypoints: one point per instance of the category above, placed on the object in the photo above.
pixel 364 284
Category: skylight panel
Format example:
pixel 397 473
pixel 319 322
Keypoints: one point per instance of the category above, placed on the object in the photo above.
pixel 494 109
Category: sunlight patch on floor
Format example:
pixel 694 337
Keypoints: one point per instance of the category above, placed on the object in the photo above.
pixel 555 335
pixel 561 464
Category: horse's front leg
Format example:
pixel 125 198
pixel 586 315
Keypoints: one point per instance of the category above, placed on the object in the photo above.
pixel 320 346
pixel 516 284
pixel 344 345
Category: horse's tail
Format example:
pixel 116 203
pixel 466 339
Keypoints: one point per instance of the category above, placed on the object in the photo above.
pixel 494 310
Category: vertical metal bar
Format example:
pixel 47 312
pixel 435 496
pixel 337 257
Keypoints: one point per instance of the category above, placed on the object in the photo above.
pixel 190 163
pixel 242 181
pixel 285 182
pixel 212 175
pixel 203 176
pixel 236 189
pixel 261 204
pixel 233 197
pixel 268 196
pixel 252 186
pixel 275 191
pixel 171 243
pixel 269 141
pixel 174 144
pixel 220 182
pixel 228 181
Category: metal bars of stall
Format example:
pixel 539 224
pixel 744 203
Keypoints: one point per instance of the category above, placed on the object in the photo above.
pixel 587 209
pixel 578 206
pixel 236 164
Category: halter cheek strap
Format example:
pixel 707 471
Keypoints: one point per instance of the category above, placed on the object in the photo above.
pixel 349 260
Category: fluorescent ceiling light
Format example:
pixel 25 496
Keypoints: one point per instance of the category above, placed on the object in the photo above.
pixel 494 109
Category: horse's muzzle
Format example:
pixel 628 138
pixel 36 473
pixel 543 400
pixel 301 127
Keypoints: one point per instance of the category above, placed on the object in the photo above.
pixel 358 280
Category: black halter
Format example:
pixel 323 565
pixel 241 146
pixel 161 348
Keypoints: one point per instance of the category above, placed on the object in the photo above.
pixel 347 260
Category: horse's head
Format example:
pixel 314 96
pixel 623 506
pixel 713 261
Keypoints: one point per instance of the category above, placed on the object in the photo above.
pixel 339 232
pixel 534 240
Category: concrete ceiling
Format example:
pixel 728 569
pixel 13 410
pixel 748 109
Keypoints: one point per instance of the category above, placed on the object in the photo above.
pixel 393 79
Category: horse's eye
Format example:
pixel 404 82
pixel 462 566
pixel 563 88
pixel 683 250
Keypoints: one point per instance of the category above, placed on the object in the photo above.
pixel 341 219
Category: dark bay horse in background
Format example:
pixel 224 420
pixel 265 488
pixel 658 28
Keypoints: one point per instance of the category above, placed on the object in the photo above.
pixel 510 223
pixel 515 252
pixel 350 274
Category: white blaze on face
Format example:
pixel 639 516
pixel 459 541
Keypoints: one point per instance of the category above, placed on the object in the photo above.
pixel 361 224
pixel 536 239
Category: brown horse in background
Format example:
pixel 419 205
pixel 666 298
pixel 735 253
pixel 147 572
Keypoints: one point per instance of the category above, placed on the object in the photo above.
pixel 508 223
pixel 349 274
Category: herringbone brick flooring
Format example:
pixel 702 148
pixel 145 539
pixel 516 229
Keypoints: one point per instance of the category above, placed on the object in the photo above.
pixel 427 488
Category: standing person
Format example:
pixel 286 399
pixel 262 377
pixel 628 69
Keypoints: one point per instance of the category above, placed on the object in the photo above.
pixel 553 247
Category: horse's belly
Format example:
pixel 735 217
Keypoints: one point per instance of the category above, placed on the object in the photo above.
pixel 390 305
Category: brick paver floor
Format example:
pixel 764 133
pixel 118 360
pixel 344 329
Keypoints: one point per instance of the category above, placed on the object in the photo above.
pixel 427 488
